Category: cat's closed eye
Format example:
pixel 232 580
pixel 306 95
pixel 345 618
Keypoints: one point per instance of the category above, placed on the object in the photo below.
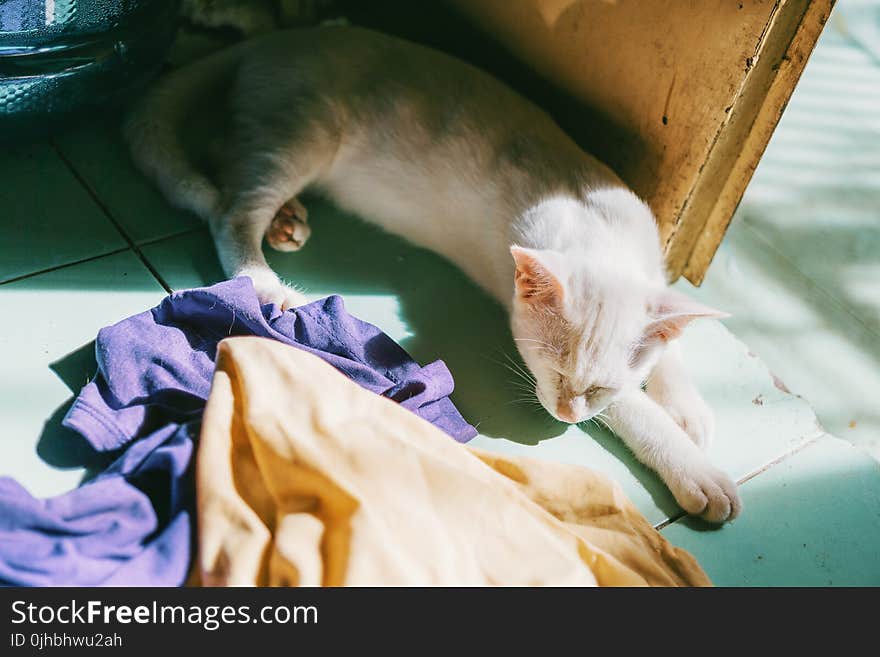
pixel 596 391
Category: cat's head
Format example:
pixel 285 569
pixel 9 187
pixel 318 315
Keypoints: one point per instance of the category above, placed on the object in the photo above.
pixel 588 329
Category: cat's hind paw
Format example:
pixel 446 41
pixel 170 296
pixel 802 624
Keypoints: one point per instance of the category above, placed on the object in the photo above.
pixel 270 289
pixel 283 296
pixel 289 230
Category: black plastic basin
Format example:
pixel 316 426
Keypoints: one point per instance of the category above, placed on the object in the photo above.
pixel 62 58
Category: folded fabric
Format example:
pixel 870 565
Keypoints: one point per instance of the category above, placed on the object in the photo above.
pixel 132 524
pixel 304 478
pixel 156 367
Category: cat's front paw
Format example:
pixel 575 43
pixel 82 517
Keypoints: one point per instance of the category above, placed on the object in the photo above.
pixel 703 490
pixel 687 408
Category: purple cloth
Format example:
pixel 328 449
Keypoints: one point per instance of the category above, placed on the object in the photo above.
pixel 132 525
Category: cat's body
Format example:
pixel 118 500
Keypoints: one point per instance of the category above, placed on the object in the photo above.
pixel 442 154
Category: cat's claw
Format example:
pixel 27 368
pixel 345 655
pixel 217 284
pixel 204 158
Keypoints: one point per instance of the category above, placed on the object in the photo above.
pixel 706 491
pixel 289 230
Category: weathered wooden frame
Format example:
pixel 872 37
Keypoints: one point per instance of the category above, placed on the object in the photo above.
pixel 689 91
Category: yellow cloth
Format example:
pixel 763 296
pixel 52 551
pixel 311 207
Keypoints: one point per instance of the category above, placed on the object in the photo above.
pixel 304 478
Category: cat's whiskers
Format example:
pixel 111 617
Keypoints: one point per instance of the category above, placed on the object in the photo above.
pixel 602 421
pixel 528 401
pixel 520 378
pixel 523 381
pixel 525 386
pixel 520 372
pixel 549 347
pixel 520 368
pixel 511 362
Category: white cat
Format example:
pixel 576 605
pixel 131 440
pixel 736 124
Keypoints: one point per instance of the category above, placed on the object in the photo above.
pixel 437 151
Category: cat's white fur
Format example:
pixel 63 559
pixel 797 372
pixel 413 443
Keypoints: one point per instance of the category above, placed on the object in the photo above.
pixel 434 150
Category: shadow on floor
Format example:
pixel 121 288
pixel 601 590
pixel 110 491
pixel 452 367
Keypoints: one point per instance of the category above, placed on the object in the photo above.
pixel 61 447
pixel 446 316
pixel 649 480
pixel 797 525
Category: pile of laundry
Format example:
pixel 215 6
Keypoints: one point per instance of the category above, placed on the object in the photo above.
pixel 259 447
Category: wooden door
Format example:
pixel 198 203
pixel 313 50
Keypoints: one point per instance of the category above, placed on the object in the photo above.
pixel 680 97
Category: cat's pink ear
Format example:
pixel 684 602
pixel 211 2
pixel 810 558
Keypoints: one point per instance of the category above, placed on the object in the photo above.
pixel 672 311
pixel 539 277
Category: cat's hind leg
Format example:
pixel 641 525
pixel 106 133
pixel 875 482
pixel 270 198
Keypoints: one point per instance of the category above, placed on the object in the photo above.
pixel 262 203
pixel 238 235
pixel 262 184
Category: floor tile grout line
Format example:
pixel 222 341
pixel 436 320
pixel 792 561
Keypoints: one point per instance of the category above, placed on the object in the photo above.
pixel 754 473
pixel 65 265
pixel 148 242
pixel 94 196
pixel 795 450
pixel 670 520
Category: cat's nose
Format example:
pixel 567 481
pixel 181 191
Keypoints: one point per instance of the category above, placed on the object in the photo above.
pixel 564 411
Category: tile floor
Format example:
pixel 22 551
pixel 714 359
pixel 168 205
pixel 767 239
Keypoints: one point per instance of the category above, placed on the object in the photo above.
pixel 800 266
pixel 84 242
